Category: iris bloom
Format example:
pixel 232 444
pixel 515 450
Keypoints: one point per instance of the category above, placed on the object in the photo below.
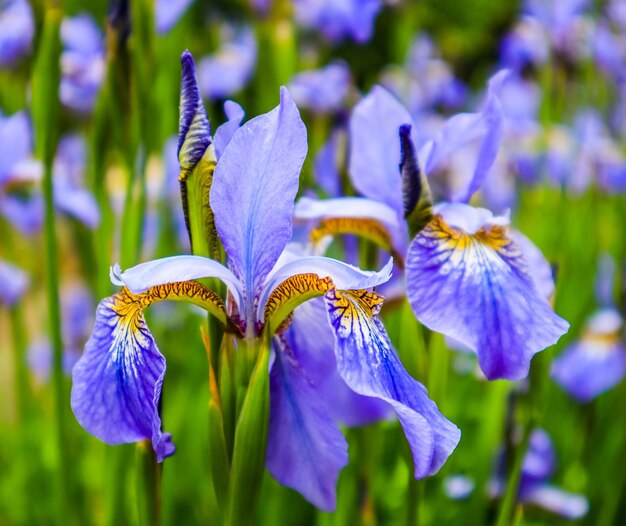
pixel 339 19
pixel 596 362
pixel 467 275
pixel 17 28
pixel 117 383
pixel 534 487
pixel 322 90
pixel 82 62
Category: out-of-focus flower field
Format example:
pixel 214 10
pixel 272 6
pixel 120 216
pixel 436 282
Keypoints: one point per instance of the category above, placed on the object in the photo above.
pixel 393 237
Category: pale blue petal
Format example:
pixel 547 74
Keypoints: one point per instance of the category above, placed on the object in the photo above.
pixel 173 269
pixel 375 147
pixel 13 283
pixel 225 132
pixel 116 384
pixel 344 276
pixel 477 289
pixel 256 180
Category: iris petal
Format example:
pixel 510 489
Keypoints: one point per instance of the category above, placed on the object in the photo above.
pixel 306 450
pixel 223 135
pixel 476 288
pixel 256 180
pixel 117 382
pixel 368 364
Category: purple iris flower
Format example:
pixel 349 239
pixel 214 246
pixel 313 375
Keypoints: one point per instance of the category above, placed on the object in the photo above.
pixel 230 68
pixel 339 19
pixel 20 197
pixel 596 362
pixel 82 62
pixel 117 382
pixel 535 488
pixel 168 12
pixel 468 275
pixel 17 28
pixel 13 284
pixel 323 90
pixel 526 44
pixel 609 51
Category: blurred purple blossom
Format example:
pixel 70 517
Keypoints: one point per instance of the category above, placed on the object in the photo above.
pixel 337 20
pixel 595 362
pixel 229 69
pixel 82 62
pixel 13 284
pixel 425 80
pixel 168 12
pixel 323 90
pixel 538 467
pixel 17 28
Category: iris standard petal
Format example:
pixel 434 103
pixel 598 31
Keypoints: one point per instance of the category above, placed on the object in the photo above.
pixel 375 147
pixel 223 135
pixel 176 269
pixel 305 450
pixel 474 286
pixel 117 382
pixel 368 364
pixel 342 275
pixel 254 187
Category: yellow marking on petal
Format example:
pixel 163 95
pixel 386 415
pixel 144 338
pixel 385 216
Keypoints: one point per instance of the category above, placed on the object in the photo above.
pixel 352 313
pixel 292 292
pixel 494 237
pixel 128 305
pixel 366 228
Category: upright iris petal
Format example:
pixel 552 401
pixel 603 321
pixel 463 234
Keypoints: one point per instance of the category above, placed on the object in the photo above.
pixel 467 279
pixel 253 209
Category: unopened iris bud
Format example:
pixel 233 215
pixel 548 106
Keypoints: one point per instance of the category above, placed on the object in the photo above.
pixel 196 155
pixel 416 196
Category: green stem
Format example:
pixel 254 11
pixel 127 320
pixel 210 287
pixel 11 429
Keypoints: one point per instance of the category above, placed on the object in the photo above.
pixel 149 474
pixel 22 390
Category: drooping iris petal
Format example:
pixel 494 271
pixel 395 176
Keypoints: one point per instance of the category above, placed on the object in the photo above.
pixel 368 364
pixel 346 207
pixel 117 382
pixel 375 147
pixel 305 450
pixel 254 187
pixel 343 276
pixel 538 265
pixel 595 363
pixel 225 132
pixel 175 269
pixel 312 341
pixel 473 284
pixel 13 283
